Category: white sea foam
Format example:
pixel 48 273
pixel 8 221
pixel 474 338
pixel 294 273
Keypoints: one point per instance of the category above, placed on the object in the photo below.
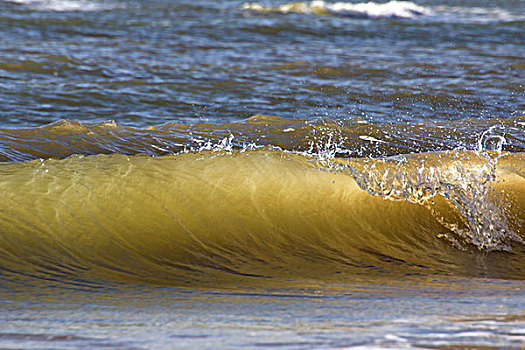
pixel 391 9
pixel 63 5
pixel 395 9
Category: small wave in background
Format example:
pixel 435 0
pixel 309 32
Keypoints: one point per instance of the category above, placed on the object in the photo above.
pixel 64 5
pixel 393 10
pixel 352 137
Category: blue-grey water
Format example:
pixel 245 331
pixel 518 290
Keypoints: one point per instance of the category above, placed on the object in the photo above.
pixel 145 63
pixel 229 174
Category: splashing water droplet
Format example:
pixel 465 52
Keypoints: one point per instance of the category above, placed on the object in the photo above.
pixel 491 140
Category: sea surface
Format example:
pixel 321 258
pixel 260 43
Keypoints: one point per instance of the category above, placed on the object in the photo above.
pixel 262 175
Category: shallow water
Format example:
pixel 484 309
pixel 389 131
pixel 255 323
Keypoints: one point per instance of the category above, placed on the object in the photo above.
pixel 311 175
pixel 420 314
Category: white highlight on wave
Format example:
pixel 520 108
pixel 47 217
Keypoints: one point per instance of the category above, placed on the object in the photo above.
pixel 391 9
pixel 63 5
pixel 395 9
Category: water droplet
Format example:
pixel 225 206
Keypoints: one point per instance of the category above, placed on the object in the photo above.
pixel 491 140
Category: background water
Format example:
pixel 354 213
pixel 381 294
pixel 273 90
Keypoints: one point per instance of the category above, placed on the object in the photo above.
pixel 344 81
pixel 144 63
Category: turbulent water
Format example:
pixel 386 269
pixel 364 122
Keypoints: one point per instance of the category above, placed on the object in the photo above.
pixel 300 175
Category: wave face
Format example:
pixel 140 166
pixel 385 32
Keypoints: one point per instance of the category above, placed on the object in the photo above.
pixel 226 209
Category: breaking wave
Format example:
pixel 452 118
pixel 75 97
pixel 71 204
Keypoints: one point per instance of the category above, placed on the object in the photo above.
pixel 211 204
pixel 391 9
pixel 63 5
pixel 394 10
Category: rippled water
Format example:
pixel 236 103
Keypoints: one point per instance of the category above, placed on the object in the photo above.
pixel 234 174
pixel 145 63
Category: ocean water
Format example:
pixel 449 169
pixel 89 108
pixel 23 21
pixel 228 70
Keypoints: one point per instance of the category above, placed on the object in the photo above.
pixel 262 175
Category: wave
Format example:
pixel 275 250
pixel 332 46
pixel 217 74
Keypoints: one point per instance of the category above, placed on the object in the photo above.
pixel 261 215
pixel 373 10
pixel 264 199
pixel 459 14
pixel 320 138
pixel 62 5
pixel 393 9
